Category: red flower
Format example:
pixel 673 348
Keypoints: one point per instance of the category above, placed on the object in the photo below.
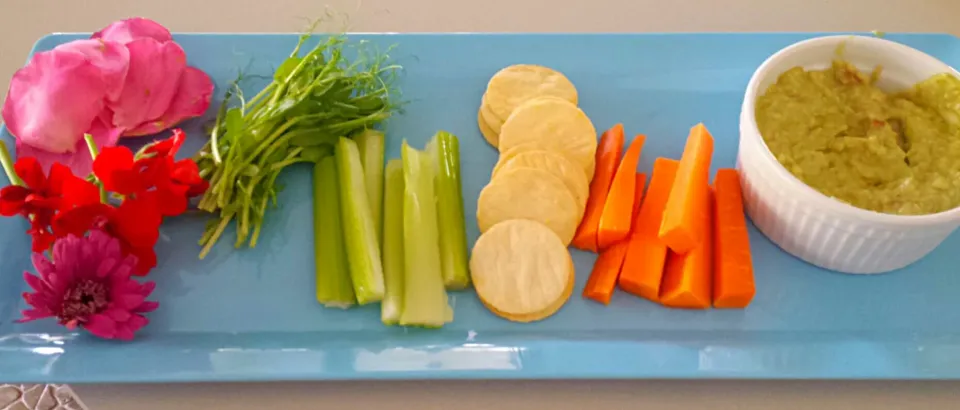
pixel 135 223
pixel 153 185
pixel 155 176
pixel 40 234
pixel 41 197
pixel 119 173
pixel 184 173
pixel 187 173
pixel 169 146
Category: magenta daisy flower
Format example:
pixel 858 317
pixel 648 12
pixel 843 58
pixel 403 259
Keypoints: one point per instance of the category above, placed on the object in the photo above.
pixel 87 283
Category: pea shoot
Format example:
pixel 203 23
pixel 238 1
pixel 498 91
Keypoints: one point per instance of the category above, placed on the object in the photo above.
pixel 311 102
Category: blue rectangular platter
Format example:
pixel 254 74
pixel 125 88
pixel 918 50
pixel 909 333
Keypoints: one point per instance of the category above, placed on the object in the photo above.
pixel 251 314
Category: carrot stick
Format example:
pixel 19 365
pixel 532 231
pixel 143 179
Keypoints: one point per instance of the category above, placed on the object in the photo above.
pixel 687 278
pixel 606 269
pixel 617 212
pixel 646 255
pixel 607 159
pixel 638 197
pixel 686 219
pixel 733 285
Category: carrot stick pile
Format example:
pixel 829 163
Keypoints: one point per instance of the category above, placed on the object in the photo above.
pixel 683 243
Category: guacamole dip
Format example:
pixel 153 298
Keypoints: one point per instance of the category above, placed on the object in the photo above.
pixel 896 153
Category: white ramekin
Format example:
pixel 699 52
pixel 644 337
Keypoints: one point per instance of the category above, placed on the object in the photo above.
pixel 814 227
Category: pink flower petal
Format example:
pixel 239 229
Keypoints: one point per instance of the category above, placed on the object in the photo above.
pixel 126 330
pixel 106 266
pixel 123 271
pixel 148 306
pixel 53 100
pixel 120 286
pixel 110 57
pixel 79 161
pixel 136 322
pixel 125 31
pixel 152 81
pixel 101 325
pixel 119 315
pixel 41 263
pixel 109 245
pixel 30 315
pixel 34 282
pixel 129 301
pixel 192 99
pixel 147 288
pixel 124 333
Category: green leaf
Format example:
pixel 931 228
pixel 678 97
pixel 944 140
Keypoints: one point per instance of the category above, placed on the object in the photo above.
pixel 315 154
pixel 234 122
pixel 346 108
pixel 279 154
pixel 286 68
pixel 367 103
pixel 312 139
pixel 249 171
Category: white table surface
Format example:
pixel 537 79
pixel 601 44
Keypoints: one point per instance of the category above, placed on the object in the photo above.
pixel 23 21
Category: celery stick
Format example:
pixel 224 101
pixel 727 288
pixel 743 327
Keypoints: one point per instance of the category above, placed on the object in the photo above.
pixel 334 286
pixel 445 152
pixel 363 250
pixel 424 297
pixel 392 303
pixel 370 143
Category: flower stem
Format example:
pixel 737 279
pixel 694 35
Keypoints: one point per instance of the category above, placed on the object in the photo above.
pixel 94 151
pixel 8 168
pixel 91 145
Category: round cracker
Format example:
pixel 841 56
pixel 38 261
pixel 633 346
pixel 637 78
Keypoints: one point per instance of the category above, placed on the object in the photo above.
pixel 520 149
pixel 529 193
pixel 554 163
pixel 488 134
pixel 553 125
pixel 535 316
pixel 514 85
pixel 492 121
pixel 521 270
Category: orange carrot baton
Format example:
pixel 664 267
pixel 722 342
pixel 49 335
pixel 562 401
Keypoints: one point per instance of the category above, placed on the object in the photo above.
pixel 618 208
pixel 607 159
pixel 605 272
pixel 686 216
pixel 646 254
pixel 687 278
pixel 733 285
pixel 638 197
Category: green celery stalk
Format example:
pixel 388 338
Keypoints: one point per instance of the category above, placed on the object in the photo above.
pixel 334 286
pixel 392 304
pixel 371 147
pixel 444 149
pixel 363 249
pixel 424 297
